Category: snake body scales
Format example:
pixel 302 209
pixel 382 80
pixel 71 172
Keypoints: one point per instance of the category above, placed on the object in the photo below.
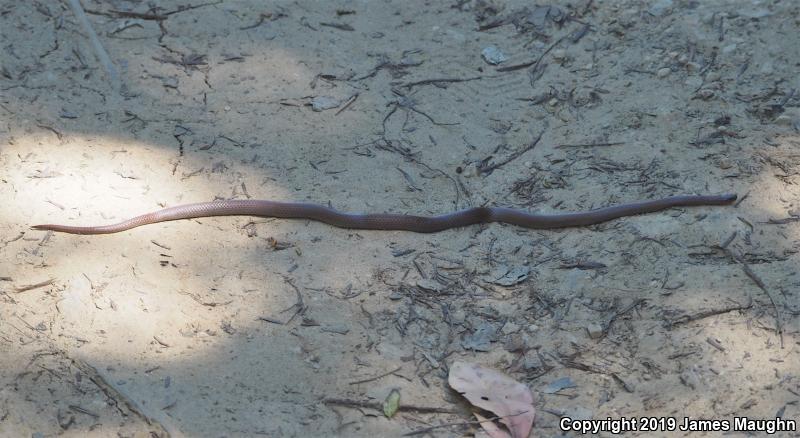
pixel 418 224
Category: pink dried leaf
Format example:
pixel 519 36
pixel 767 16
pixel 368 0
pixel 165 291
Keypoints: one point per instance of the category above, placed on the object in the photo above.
pixel 491 429
pixel 495 392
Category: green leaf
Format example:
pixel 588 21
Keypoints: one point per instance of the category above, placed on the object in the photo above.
pixel 391 404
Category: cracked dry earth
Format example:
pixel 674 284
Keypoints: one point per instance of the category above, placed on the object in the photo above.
pixel 262 327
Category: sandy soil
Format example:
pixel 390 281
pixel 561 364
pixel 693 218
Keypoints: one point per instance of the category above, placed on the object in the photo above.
pixel 262 327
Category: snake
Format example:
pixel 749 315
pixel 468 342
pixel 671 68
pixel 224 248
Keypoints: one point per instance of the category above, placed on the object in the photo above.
pixel 401 222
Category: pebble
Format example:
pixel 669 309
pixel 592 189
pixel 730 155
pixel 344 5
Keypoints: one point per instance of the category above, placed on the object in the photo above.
pixel 693 82
pixel 729 49
pixel 322 103
pixel 493 55
pixel 664 72
pixel 471 170
pixel 559 54
pixel 509 328
pixel 594 330
pixel 784 120
pixel 705 94
pixel 660 7
pixel 713 76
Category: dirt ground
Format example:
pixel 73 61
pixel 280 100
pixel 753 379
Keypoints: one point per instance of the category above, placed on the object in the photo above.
pixel 264 327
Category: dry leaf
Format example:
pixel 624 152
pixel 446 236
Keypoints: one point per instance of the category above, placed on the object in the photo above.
pixel 491 429
pixel 495 392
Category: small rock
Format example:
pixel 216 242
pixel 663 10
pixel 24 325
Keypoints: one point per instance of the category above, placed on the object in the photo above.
pixel 67 114
pixel 172 82
pixel 340 329
pixel 560 54
pixel 664 72
pixel 660 7
pixel 322 103
pixel 755 13
pixel 704 94
pixel 493 55
pixel 691 378
pixel 471 170
pixel 532 362
pixel 558 385
pixel 784 120
pixel 515 343
pixel 428 285
pixel 713 76
pixel 730 48
pixel 693 82
pixel 458 317
pixel 693 66
pixel 481 339
pixel 579 413
pixel 390 351
pixel 509 276
pixel 509 328
pixel 594 330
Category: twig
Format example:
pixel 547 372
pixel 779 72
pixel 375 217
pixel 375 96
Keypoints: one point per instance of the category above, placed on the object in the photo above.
pixel 589 145
pixel 741 199
pixel 116 396
pixel 492 167
pixel 34 286
pixel 101 53
pixel 437 81
pixel 757 280
pixel 534 63
pixel 685 319
pixel 460 423
pixel 347 105
pixel 715 343
pixel 622 312
pixel 357 382
pixel 379 406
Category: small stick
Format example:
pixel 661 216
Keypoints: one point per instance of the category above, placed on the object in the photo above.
pixel 347 105
pixel 760 283
pixel 379 406
pixel 589 145
pixel 685 319
pixel 34 286
pixel 102 55
pixel 370 379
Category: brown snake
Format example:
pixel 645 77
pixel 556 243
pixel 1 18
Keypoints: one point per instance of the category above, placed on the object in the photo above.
pixel 418 224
